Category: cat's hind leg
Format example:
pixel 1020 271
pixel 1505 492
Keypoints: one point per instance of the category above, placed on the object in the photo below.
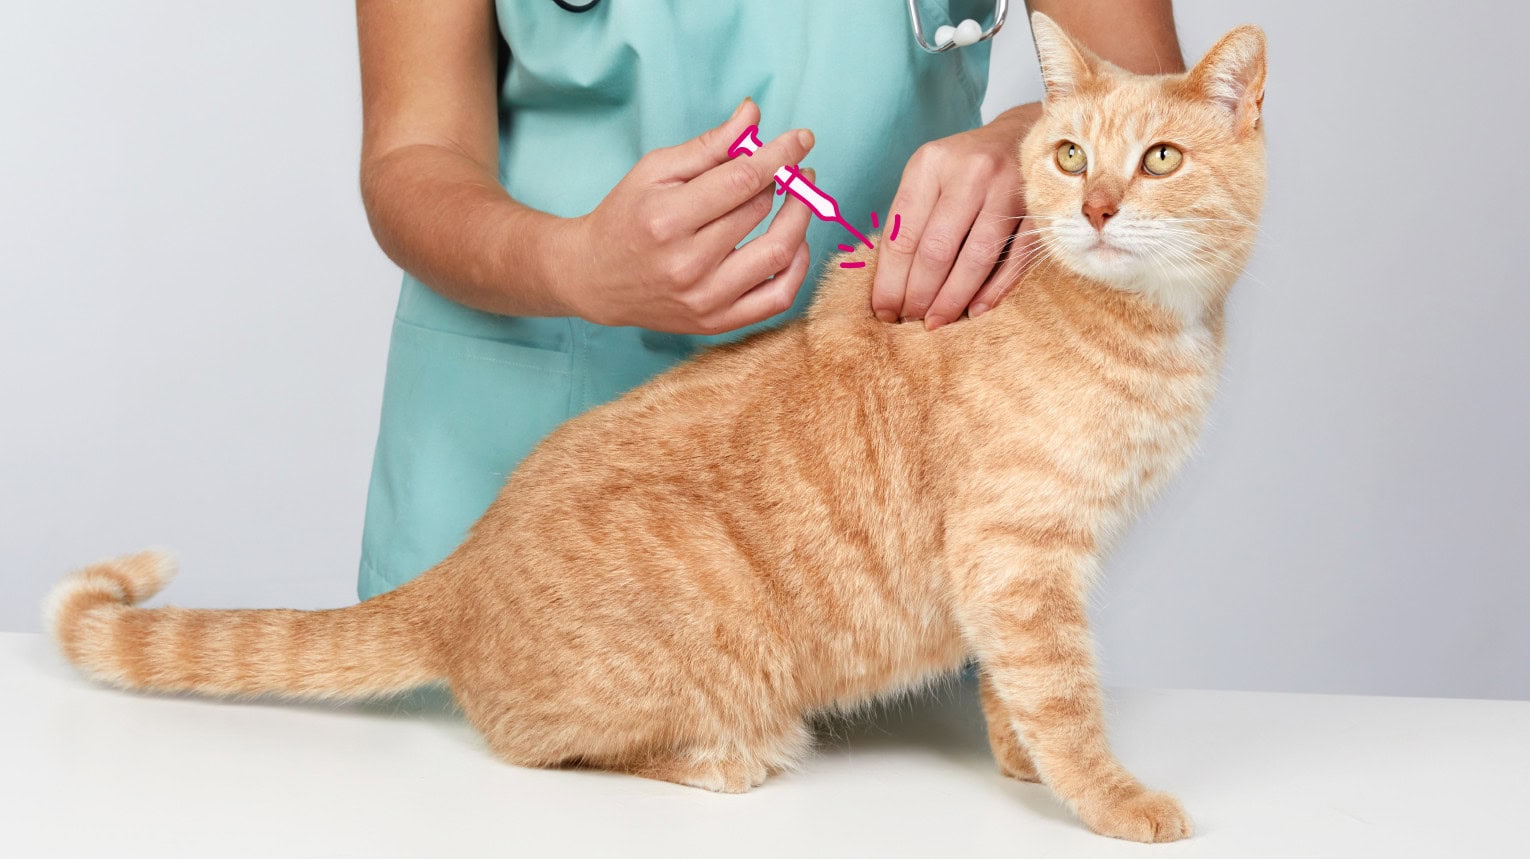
pixel 729 756
pixel 732 765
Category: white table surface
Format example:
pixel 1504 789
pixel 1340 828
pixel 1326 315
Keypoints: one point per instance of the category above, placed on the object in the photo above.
pixel 87 771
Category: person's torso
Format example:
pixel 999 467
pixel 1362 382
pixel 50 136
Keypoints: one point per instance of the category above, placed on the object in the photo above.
pixel 469 394
pixel 585 95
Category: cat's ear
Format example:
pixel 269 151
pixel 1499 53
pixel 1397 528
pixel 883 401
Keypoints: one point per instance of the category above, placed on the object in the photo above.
pixel 1064 63
pixel 1232 75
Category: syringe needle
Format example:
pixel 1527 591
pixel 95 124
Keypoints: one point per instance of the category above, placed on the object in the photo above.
pixel 854 232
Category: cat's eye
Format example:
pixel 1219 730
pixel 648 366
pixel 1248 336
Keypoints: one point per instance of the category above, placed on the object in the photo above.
pixel 1070 157
pixel 1162 160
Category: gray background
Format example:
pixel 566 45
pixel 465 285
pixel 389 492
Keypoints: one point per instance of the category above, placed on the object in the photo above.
pixel 195 318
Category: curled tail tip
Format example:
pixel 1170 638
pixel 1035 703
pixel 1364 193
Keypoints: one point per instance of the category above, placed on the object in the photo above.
pixel 125 580
pixel 157 568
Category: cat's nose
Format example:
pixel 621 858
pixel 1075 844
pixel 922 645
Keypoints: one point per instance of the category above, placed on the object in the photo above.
pixel 1098 210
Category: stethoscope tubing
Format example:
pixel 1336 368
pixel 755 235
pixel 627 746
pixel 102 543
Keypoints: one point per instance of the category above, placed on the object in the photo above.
pixel 1000 12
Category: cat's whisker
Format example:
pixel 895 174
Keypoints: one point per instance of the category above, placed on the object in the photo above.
pixel 1241 223
pixel 1220 262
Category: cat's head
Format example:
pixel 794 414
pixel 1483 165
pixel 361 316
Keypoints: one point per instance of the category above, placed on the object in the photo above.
pixel 1148 183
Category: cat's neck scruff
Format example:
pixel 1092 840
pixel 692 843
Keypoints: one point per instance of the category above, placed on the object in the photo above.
pixel 829 513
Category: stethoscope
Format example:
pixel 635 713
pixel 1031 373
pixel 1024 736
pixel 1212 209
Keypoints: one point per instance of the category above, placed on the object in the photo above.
pixel 968 32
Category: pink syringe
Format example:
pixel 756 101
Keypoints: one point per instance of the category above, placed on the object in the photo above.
pixel 789 178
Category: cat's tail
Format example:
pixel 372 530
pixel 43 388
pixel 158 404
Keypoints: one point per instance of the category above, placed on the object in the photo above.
pixel 374 648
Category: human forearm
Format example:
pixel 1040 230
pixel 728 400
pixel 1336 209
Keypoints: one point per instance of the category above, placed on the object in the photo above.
pixel 429 159
pixel 1137 35
pixel 445 219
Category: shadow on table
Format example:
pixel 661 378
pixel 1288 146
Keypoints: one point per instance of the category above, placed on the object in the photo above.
pixel 944 717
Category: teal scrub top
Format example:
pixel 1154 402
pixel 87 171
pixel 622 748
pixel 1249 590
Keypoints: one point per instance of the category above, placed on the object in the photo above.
pixel 469 394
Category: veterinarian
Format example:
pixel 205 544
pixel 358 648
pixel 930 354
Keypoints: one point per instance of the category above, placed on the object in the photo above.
pixel 553 177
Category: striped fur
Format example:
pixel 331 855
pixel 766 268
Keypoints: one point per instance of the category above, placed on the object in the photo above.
pixel 823 515
pixel 376 648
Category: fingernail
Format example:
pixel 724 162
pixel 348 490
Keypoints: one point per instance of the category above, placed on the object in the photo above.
pixel 933 322
pixel 805 137
pixel 887 316
pixel 977 310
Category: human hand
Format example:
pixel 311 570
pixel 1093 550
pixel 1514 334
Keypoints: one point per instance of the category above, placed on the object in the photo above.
pixel 661 251
pixel 960 202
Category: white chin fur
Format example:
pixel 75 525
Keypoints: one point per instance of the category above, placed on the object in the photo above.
pixel 1132 260
pixel 1110 264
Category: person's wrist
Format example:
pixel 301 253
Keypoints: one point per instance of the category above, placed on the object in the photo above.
pixel 548 254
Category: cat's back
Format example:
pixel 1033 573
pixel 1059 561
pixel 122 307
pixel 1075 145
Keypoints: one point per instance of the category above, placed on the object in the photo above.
pixel 663 428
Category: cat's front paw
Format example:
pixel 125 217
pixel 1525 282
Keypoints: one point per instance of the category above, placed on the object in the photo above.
pixel 1147 816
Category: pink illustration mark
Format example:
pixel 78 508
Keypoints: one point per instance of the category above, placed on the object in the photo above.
pixel 846 248
pixel 852 265
pixel 873 220
pixel 897 222
pixel 790 178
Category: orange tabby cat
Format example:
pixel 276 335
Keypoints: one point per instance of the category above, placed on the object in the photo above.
pixel 824 514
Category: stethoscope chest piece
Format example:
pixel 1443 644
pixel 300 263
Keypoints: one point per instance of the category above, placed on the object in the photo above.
pixel 968 32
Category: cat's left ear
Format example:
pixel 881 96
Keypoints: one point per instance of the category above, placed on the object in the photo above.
pixel 1232 75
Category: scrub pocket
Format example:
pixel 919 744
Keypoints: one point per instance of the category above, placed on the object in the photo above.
pixel 459 414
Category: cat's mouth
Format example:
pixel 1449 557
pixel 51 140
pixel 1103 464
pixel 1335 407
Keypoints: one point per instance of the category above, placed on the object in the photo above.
pixel 1108 261
pixel 1103 249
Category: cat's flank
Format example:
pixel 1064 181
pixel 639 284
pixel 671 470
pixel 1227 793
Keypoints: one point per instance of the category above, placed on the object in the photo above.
pixel 825 514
